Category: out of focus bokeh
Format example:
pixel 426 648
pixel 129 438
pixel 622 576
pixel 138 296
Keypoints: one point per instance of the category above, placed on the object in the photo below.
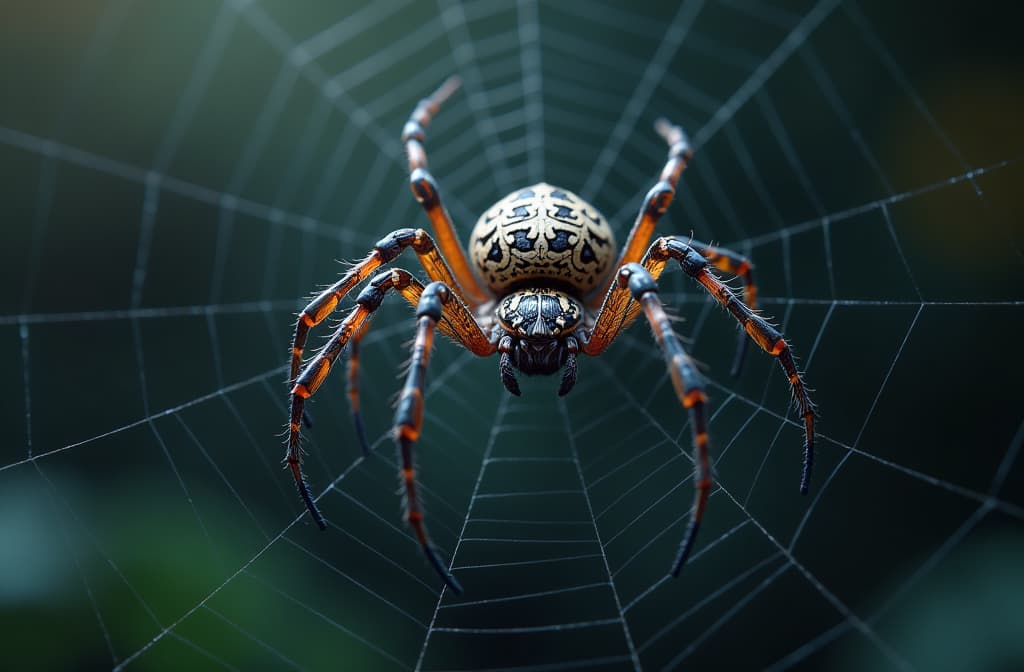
pixel 177 177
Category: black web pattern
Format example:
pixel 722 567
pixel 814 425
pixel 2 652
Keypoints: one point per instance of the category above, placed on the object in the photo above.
pixel 178 177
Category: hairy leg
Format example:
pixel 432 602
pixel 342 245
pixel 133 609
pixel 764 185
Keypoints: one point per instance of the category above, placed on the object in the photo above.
pixel 689 388
pixel 424 188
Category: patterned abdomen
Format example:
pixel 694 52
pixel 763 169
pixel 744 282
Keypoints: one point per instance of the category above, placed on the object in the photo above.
pixel 542 233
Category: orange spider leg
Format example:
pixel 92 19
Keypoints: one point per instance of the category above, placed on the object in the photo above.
pixel 616 313
pixel 424 188
pixel 757 328
pixel 305 384
pixel 353 388
pixel 738 265
pixel 655 204
pixel 457 323
pixel 409 418
pixel 618 310
pixel 689 388
pixel 386 249
pixel 721 258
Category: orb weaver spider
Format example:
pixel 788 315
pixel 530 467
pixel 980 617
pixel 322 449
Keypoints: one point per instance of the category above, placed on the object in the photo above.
pixel 544 255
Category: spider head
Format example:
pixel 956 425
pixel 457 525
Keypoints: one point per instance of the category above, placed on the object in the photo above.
pixel 539 315
pixel 538 323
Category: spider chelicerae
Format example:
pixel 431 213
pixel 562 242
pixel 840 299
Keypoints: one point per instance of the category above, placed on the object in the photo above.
pixel 547 296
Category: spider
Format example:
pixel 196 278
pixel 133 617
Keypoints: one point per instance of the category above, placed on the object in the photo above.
pixel 544 255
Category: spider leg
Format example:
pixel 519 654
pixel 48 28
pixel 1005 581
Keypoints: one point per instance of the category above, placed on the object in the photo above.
pixel 722 259
pixel 569 371
pixel 656 202
pixel 505 368
pixel 409 419
pixel 689 388
pixel 757 328
pixel 738 265
pixel 424 188
pixel 455 324
pixel 353 388
pixel 615 314
pixel 306 384
pixel 386 250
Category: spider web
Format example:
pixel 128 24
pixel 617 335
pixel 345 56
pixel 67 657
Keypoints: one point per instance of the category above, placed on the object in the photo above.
pixel 177 176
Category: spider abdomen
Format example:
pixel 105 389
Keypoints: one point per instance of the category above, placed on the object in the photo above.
pixel 542 233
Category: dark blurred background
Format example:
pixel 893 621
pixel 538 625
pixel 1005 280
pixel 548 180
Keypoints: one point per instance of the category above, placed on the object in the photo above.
pixel 177 176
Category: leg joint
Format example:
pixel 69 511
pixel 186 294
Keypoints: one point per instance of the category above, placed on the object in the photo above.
pixel 693 396
pixel 423 111
pixel 659 198
pixel 780 345
pixel 424 188
pixel 692 262
pixel 413 131
pixel 408 417
pixel 637 279
pixel 400 279
pixel 431 301
pixel 373 294
pixel 422 243
pixel 681 149
pixel 391 245
pixel 659 250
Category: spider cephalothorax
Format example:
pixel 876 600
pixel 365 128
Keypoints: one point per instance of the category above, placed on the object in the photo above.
pixel 548 294
pixel 534 334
